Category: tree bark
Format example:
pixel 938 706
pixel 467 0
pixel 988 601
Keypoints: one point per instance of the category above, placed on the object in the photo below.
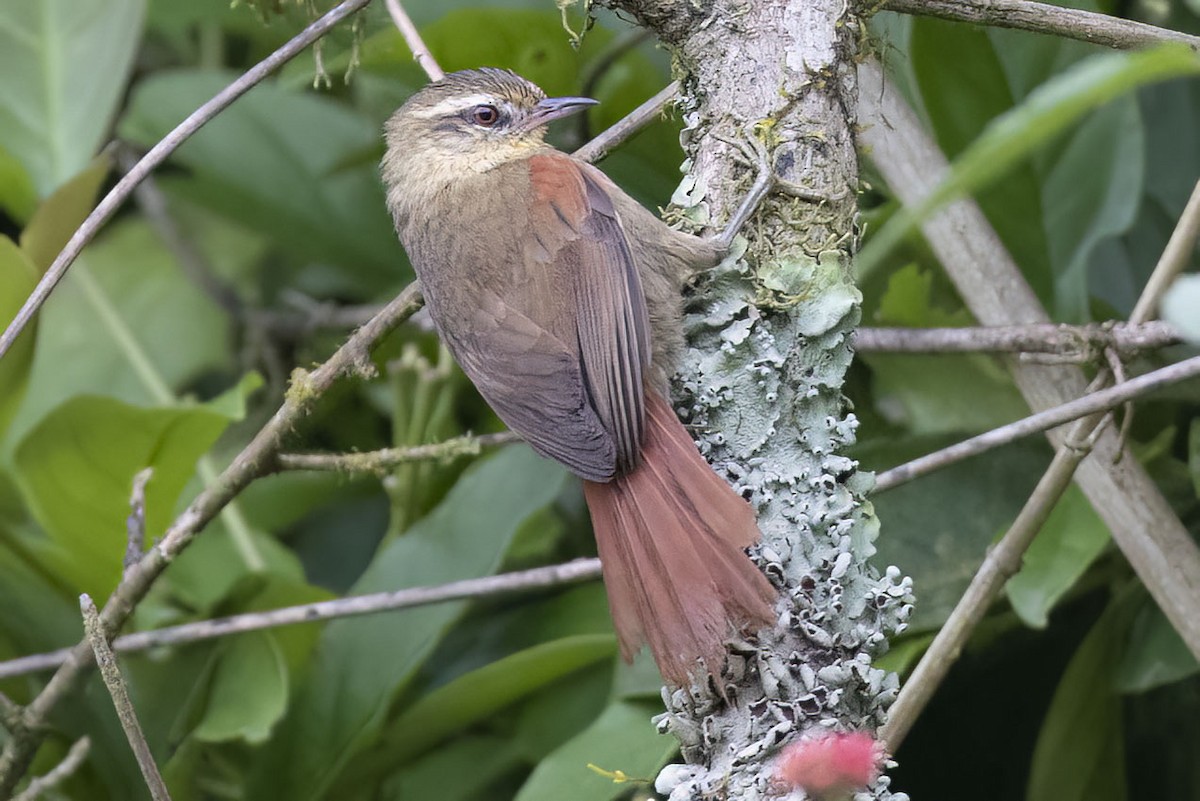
pixel 769 345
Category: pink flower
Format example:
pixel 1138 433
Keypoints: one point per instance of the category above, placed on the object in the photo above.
pixel 826 764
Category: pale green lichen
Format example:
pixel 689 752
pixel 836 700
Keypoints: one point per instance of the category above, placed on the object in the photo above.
pixel 761 387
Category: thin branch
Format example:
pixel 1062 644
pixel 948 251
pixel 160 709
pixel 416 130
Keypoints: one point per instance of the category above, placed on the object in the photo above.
pixel 1001 563
pixel 415 43
pixel 1143 524
pixel 1041 421
pixel 537 578
pixel 633 122
pixel 596 69
pixel 1175 257
pixel 10 713
pixel 157 155
pixel 135 524
pixel 111 673
pixel 1004 560
pixel 48 781
pixel 1072 23
pixel 383 460
pixel 253 461
pixel 1079 342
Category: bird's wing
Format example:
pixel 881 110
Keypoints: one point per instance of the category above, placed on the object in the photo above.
pixel 559 346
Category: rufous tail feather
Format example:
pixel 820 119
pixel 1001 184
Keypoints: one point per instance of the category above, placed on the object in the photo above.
pixel 671 535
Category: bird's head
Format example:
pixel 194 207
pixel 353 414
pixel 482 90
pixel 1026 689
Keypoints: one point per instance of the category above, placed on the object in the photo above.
pixel 475 119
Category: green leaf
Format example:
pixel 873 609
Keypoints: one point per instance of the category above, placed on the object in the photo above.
pixel 1071 539
pixel 1155 654
pixel 482 692
pixel 248 693
pixel 1079 751
pixel 57 218
pixel 1042 116
pixel 18 277
pixel 18 198
pixel 562 710
pixel 463 770
pixel 363 664
pixel 260 164
pixel 622 739
pixel 1092 193
pixel 949 393
pixel 76 470
pixel 63 67
pixel 940 526
pixel 961 102
pixel 180 330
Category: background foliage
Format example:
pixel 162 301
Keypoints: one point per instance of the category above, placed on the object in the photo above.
pixel 135 363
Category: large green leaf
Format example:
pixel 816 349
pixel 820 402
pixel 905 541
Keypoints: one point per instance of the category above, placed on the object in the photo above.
pixel 55 220
pixel 363 664
pixel 49 228
pixel 463 770
pixel 622 739
pixel 1155 654
pixel 17 279
pixel 1071 539
pixel 248 693
pixel 1080 749
pixel 135 292
pixel 1092 192
pixel 938 528
pixel 482 692
pixel 18 198
pixel 77 466
pixel 63 65
pixel 273 161
pixel 961 102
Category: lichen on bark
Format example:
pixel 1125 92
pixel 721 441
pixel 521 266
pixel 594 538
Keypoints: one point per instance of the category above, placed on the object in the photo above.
pixel 770 334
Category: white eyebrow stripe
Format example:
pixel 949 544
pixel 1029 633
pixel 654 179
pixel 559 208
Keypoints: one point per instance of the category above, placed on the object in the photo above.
pixel 454 104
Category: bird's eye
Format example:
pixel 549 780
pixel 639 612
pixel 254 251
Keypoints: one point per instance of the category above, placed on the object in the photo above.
pixel 485 115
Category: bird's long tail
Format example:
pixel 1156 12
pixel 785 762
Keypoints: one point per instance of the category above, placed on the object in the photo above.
pixel 671 536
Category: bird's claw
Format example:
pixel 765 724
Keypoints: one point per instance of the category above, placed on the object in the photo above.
pixel 753 154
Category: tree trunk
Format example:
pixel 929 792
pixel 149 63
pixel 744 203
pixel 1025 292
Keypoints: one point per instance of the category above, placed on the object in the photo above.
pixel 769 345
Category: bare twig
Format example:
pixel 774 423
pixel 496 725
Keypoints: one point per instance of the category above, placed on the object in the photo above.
pixel 1073 23
pixel 1004 560
pixel 519 581
pixel 383 460
pixel 1039 422
pixel 252 462
pixel 157 154
pixel 10 713
pixel 633 122
pixel 111 673
pixel 135 524
pixel 1142 522
pixel 70 763
pixel 1174 259
pixel 415 43
pixel 1078 342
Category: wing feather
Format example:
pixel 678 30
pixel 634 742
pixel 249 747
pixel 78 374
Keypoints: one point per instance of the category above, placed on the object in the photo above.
pixel 546 315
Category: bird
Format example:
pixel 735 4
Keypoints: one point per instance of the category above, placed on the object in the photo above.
pixel 560 297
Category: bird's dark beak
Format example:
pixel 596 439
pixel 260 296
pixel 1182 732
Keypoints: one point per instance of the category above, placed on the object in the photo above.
pixel 555 108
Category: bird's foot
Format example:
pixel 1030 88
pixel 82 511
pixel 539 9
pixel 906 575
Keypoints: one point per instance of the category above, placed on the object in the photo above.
pixel 753 153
